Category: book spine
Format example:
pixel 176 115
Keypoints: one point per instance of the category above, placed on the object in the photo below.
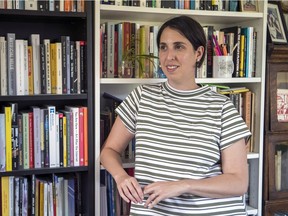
pixel 11 63
pixel 20 141
pixel 3 66
pixel 81 136
pixel 35 42
pixel 46 43
pixel 14 138
pixel 8 133
pixel 52 136
pixel 2 143
pixel 43 69
pixel 37 136
pixel 31 140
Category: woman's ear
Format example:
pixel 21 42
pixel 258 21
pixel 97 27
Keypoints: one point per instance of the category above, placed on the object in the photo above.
pixel 199 53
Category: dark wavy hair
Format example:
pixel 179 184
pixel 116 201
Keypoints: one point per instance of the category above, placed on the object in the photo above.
pixel 189 28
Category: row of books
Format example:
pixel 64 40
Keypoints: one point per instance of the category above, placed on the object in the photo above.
pixel 135 43
pixel 281 167
pixel 216 5
pixel 40 195
pixel 107 118
pixel 240 42
pixel 43 137
pixel 44 5
pixel 111 202
pixel 29 67
pixel 244 101
pixel 129 50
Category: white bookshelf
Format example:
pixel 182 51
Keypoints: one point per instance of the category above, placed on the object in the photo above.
pixel 219 19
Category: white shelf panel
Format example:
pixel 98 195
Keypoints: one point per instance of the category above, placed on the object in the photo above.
pixel 118 81
pixel 161 14
pixel 251 211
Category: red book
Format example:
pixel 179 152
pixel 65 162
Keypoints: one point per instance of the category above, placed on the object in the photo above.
pixel 81 136
pixel 85 129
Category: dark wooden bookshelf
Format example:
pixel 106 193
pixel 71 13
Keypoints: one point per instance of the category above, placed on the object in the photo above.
pixel 52 25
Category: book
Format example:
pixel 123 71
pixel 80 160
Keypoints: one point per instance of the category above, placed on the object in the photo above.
pixel 35 43
pixel 36 136
pixel 2 143
pixel 46 43
pixel 8 134
pixel 14 138
pixel 11 59
pixel 3 66
pixel 52 136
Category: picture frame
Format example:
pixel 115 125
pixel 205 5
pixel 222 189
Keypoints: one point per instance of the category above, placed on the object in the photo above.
pixel 249 6
pixel 276 26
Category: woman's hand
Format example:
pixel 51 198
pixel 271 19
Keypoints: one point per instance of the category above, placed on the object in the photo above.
pixel 162 190
pixel 129 189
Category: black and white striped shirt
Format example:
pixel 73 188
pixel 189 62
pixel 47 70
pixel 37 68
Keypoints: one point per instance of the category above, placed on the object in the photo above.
pixel 180 135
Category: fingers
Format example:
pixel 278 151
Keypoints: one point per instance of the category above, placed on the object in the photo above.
pixel 130 190
pixel 152 200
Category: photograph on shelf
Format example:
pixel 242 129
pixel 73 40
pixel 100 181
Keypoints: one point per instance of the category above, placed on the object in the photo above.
pixel 277 30
pixel 282 105
pixel 249 6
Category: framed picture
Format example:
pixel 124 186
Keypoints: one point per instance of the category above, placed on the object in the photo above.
pixel 277 30
pixel 249 5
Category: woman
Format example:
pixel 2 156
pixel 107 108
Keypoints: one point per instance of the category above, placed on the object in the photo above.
pixel 190 141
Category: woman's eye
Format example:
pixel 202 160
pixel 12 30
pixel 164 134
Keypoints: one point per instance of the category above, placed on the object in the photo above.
pixel 163 47
pixel 178 47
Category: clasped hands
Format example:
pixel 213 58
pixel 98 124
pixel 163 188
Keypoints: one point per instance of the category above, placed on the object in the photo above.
pixel 130 190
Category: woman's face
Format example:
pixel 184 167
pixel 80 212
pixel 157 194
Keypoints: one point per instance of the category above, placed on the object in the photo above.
pixel 177 57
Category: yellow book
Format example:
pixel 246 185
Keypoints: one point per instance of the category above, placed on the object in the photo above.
pixel 30 71
pixel 8 133
pixel 53 67
pixel 242 56
pixel 41 200
pixel 5 204
pixel 64 141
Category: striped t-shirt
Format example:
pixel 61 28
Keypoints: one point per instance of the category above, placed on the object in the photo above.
pixel 180 135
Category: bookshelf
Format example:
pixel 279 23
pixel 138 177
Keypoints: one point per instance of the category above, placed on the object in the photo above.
pixel 219 19
pixel 52 25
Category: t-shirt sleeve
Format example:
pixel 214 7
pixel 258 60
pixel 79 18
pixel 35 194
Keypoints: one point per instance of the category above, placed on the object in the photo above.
pixel 128 109
pixel 233 126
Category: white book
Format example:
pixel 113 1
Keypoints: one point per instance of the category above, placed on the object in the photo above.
pixel 35 42
pixel 61 5
pixel 46 43
pixel 118 2
pixel 36 136
pixel 52 135
pixel 31 4
pixel 45 195
pixel 9 4
pixel 19 48
pixel 3 66
pixel 2 5
pixel 142 3
pixel 11 195
pixel 25 59
pixel 2 143
pixel 76 140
